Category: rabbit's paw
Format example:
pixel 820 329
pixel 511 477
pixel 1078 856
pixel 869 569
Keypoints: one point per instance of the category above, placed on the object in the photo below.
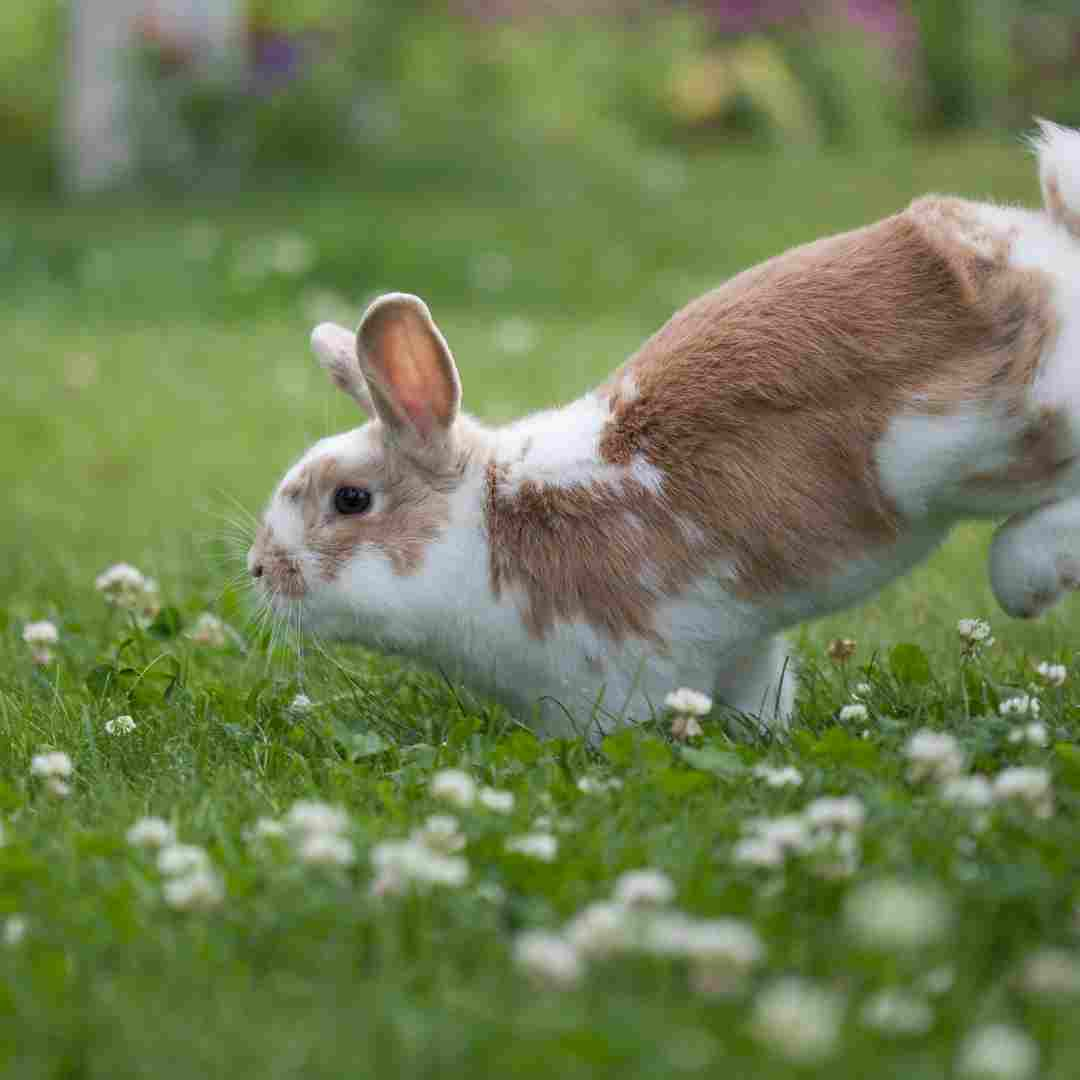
pixel 1035 559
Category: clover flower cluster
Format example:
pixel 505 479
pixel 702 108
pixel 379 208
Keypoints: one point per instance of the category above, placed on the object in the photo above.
pixel 190 881
pixel 936 756
pixel 639 919
pixel 826 834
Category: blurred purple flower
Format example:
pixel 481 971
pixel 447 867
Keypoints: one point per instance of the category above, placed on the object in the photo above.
pixel 878 16
pixel 276 59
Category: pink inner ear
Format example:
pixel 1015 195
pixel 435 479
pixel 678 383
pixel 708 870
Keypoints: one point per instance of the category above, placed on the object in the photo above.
pixel 419 416
pixel 412 366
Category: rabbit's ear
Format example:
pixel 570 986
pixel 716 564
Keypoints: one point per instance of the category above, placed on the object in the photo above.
pixel 408 368
pixel 335 348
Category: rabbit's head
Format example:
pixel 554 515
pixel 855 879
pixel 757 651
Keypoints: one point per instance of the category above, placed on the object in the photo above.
pixel 350 527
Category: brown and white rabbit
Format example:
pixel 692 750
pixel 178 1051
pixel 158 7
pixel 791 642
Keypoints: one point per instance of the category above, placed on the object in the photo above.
pixel 784 446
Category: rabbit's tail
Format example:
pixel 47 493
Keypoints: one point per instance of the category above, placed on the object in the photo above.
pixel 1058 150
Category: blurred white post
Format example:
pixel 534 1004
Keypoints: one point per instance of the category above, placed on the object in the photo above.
pixel 99 143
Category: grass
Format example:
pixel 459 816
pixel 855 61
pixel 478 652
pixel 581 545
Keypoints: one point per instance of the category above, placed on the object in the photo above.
pixel 152 383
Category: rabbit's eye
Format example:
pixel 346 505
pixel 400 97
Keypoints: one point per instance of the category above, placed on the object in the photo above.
pixel 351 500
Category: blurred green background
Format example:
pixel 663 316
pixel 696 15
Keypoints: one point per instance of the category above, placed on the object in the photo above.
pixel 554 177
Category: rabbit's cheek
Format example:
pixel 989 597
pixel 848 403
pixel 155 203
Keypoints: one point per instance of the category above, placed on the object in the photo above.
pixel 400 534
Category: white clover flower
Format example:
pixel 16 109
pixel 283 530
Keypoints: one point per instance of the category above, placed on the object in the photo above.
pixel 300 705
pixel 788 776
pixel 125 587
pixel 1052 674
pixel 1051 972
pixel 120 583
pixel 897 1012
pixel 798 1020
pixel 757 851
pixel 725 943
pixel 893 914
pixel 14 930
pixel 152 833
pixel 308 816
pixel 535 845
pixel 209 630
pixel 40 633
pixel 453 786
pixel 637 888
pixel 934 755
pixel 57 787
pixel 601 928
pixel 400 863
pixel 974 792
pixel 790 832
pixel 51 765
pixel 501 802
pixel 596 785
pixel 684 727
pixel 846 812
pixel 266 828
pixel 689 702
pixel 998 1052
pixel 1033 734
pixel 177 860
pixel 1027 784
pixel 974 635
pixel 861 690
pixel 440 833
pixel 973 629
pixel 199 890
pixel 326 849
pixel 548 958
pixel 854 712
pixel 1020 705
pixel 120 725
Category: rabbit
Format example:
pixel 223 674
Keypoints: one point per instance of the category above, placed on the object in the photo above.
pixel 781 448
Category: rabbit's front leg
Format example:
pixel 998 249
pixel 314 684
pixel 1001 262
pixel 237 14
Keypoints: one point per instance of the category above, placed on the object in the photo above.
pixel 1035 558
pixel 760 680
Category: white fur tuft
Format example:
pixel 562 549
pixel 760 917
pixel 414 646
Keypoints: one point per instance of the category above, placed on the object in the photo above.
pixel 1058 149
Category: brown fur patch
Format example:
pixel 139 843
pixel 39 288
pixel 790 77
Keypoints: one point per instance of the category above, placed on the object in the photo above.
pixel 1041 453
pixel 410 508
pixel 761 404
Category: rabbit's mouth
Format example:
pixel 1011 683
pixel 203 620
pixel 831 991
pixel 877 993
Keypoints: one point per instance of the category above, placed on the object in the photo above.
pixel 279 574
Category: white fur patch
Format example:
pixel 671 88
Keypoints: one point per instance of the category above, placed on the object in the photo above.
pixel 1059 161
pixel 923 460
pixel 561 448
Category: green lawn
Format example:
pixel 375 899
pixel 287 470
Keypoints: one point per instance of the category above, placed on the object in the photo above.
pixel 156 382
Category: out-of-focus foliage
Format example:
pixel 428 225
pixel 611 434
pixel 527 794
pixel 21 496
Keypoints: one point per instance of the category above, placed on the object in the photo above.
pixel 435 85
pixel 30 87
